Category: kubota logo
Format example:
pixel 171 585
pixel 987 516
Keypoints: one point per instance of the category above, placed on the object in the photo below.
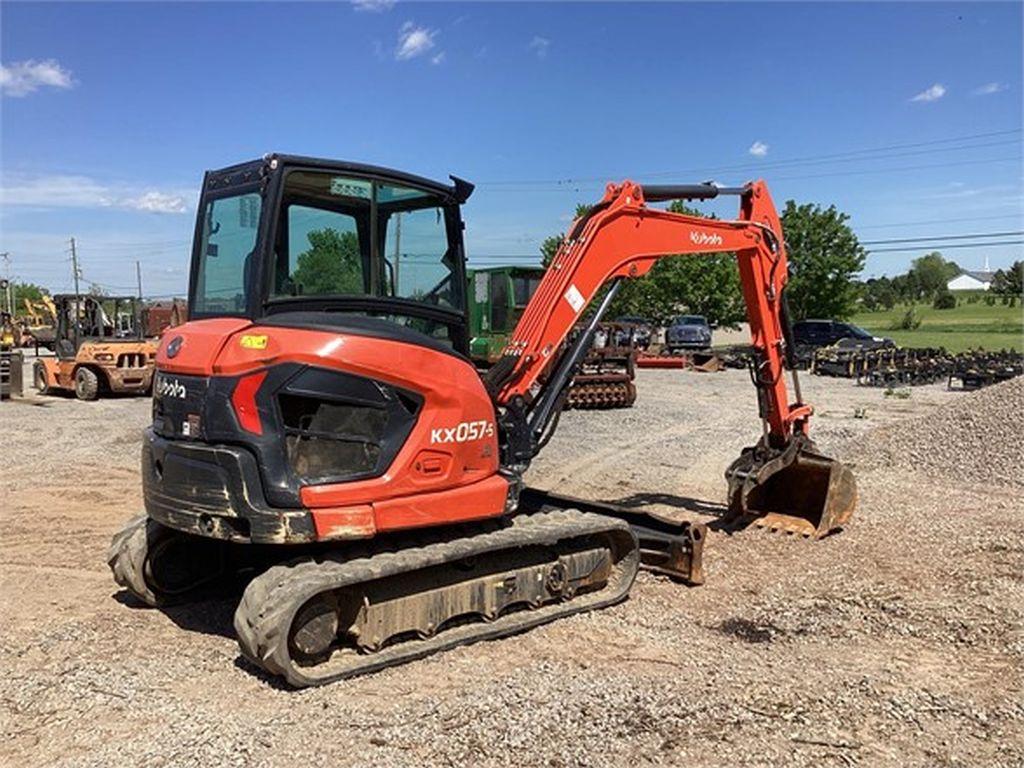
pixel 703 238
pixel 463 432
pixel 170 388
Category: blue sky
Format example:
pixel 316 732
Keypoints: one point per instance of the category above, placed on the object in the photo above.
pixel 110 113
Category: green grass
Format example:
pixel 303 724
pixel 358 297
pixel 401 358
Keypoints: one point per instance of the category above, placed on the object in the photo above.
pixel 968 326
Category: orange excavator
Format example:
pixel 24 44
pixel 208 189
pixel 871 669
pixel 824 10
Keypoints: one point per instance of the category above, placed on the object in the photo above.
pixel 319 432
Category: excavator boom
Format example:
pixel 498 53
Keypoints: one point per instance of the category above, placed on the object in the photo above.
pixel 621 237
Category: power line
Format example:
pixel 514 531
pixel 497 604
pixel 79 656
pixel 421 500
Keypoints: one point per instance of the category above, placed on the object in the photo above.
pixel 789 164
pixel 867 172
pixel 107 287
pixel 770 164
pixel 1017 216
pixel 942 237
pixel 1015 158
pixel 143 244
pixel 950 246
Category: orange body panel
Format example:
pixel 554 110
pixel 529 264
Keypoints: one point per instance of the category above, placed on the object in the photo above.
pixel 454 505
pixel 201 341
pixel 345 522
pixel 442 473
pixel 469 502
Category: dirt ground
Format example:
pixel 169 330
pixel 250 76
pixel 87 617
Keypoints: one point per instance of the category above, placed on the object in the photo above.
pixel 897 642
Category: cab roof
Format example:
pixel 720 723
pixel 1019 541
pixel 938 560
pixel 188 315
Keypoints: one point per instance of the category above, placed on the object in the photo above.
pixel 459 190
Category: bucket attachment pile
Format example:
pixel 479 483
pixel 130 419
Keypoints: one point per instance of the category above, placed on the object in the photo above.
pixel 795 489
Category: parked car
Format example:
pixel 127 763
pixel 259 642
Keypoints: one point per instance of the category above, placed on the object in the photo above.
pixel 640 330
pixel 824 333
pixel 688 332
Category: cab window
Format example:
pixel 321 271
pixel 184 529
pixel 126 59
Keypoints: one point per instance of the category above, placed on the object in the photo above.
pixel 324 254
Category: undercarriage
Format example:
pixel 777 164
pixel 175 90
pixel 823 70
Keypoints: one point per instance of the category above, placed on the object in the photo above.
pixel 334 613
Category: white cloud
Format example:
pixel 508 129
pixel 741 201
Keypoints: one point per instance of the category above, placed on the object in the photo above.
pixel 988 89
pixel 24 77
pixel 934 93
pixel 68 191
pixel 373 6
pixel 758 149
pixel 438 58
pixel 414 41
pixel 539 45
pixel 157 202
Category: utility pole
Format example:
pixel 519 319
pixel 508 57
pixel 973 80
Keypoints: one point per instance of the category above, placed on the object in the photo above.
pixel 138 279
pixel 74 267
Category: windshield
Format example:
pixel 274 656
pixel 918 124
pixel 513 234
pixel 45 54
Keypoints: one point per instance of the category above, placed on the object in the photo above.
pixel 858 332
pixel 341 236
pixel 691 320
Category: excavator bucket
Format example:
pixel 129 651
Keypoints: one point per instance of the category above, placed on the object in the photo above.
pixel 797 489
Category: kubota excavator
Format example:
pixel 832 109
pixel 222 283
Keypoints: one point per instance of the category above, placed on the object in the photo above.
pixel 317 423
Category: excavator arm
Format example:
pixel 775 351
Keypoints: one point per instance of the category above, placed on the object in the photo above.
pixel 621 237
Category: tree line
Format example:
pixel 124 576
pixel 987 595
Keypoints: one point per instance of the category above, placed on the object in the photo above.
pixel 825 259
pixel 927 280
pixel 824 256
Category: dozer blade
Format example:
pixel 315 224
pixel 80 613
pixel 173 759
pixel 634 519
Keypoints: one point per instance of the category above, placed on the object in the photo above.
pixel 795 489
pixel 671 548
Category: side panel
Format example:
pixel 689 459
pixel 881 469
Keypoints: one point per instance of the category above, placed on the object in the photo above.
pixel 469 502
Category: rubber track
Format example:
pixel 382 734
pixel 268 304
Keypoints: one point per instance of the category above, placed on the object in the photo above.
pixel 268 607
pixel 126 557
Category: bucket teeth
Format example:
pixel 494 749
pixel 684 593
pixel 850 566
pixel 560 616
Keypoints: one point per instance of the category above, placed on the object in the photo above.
pixel 770 524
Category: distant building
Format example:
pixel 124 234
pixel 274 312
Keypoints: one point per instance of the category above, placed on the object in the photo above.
pixel 972 280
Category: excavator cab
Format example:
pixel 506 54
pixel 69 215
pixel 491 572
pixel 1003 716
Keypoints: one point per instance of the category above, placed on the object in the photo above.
pixel 287 235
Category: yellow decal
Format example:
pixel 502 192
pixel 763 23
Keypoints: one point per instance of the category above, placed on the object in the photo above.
pixel 254 342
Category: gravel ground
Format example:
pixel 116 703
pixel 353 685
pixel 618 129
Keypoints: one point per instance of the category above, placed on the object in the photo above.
pixel 896 642
pixel 979 439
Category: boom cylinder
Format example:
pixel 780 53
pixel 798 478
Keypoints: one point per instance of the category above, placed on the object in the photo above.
pixel 541 415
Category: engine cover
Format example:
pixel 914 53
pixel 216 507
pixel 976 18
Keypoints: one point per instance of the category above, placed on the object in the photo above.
pixel 335 421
